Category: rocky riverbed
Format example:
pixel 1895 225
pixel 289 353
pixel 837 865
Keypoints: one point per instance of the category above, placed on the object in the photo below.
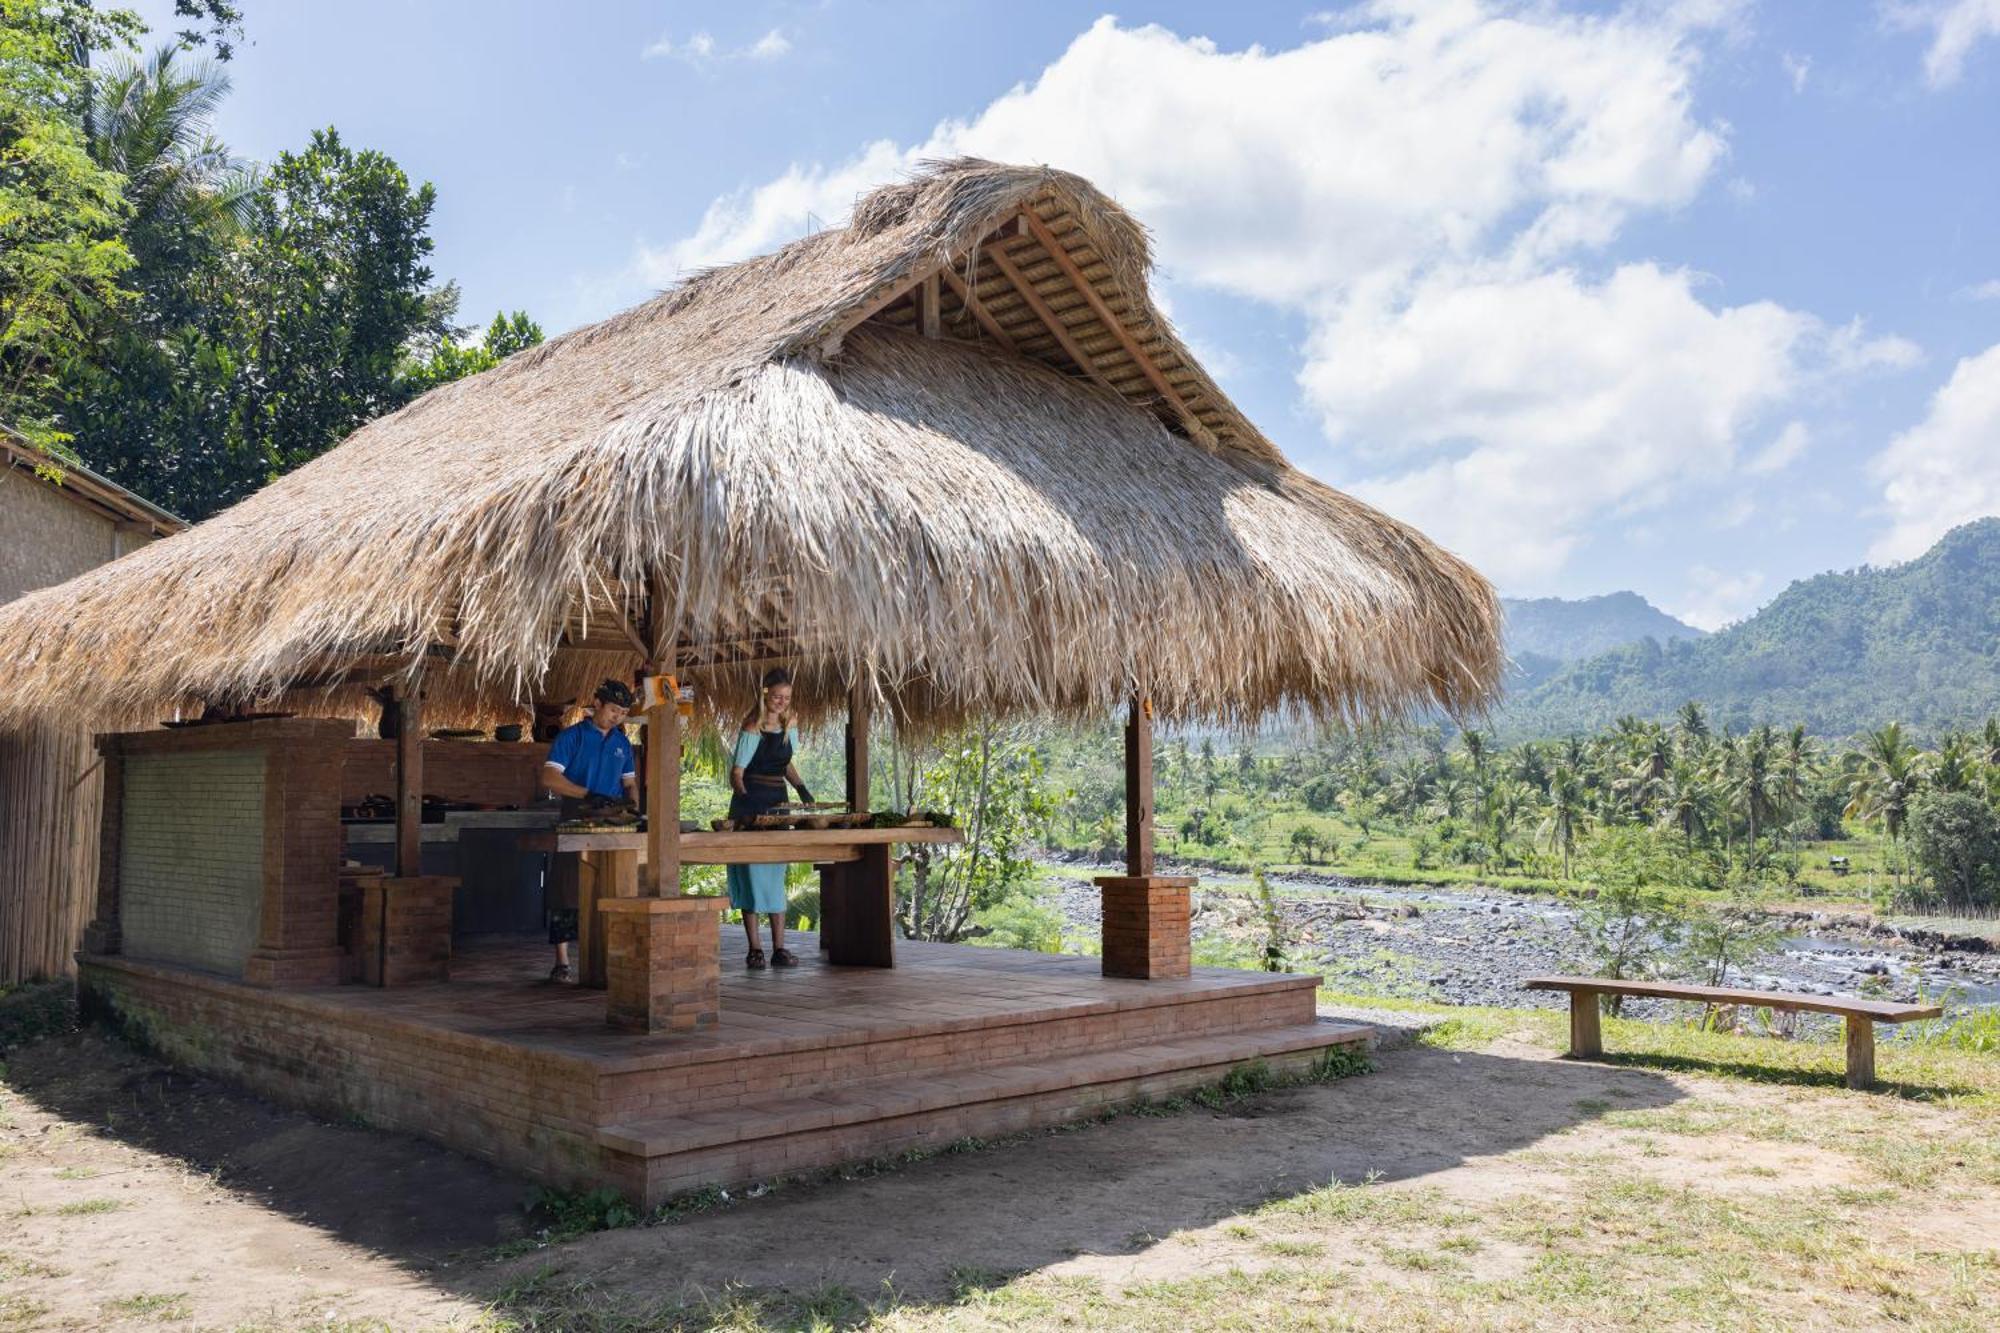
pixel 1473 945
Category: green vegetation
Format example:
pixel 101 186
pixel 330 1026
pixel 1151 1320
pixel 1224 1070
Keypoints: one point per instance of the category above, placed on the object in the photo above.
pixel 189 323
pixel 1838 652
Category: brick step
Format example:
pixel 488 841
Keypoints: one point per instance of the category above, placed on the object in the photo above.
pixel 726 1080
pixel 888 1099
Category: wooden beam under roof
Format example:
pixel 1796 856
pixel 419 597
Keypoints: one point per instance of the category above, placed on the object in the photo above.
pixel 978 310
pixel 1115 326
pixel 1057 330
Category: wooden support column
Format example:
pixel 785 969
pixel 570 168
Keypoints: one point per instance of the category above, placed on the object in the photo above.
pixel 409 781
pixel 103 936
pixel 663 801
pixel 1147 918
pixel 1139 788
pixel 857 749
pixel 663 756
pixel 930 316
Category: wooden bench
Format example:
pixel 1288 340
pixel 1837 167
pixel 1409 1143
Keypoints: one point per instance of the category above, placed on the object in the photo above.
pixel 1586 1037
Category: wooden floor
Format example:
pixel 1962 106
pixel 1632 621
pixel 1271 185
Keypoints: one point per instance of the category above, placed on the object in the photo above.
pixel 499 990
pixel 808 1067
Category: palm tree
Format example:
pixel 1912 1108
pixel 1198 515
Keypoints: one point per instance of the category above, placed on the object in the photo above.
pixel 1884 775
pixel 1955 765
pixel 1685 798
pixel 1751 784
pixel 1565 815
pixel 151 119
pixel 1692 725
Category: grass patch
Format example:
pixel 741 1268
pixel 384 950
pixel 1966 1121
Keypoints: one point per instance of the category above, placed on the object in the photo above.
pixel 161 1305
pixel 88 1207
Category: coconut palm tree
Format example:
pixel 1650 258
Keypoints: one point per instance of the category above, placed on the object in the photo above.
pixel 1955 765
pixel 1750 783
pixel 1884 774
pixel 1565 815
pixel 1692 724
pixel 1685 799
pixel 151 119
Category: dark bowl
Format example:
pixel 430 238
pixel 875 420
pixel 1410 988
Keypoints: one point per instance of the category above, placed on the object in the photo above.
pixel 510 732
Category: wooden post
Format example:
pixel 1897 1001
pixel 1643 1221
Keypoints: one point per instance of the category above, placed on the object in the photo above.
pixel 663 800
pixel 1586 1035
pixel 857 750
pixel 1139 789
pixel 1860 1052
pixel 409 781
pixel 929 314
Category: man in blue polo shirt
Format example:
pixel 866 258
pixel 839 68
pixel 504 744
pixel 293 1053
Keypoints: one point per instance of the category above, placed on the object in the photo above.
pixel 589 763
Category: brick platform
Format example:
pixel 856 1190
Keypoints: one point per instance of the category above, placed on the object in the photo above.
pixel 802 1069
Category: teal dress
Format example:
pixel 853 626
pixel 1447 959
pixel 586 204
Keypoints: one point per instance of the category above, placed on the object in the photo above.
pixel 763 756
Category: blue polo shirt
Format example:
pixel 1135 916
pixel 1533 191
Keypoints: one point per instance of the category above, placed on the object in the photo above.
pixel 594 760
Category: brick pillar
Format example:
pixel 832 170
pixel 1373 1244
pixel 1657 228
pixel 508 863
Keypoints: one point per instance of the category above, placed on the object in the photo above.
pixel 298 941
pixel 404 934
pixel 662 962
pixel 102 936
pixel 1146 925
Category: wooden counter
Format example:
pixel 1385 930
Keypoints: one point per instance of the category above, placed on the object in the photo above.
pixel 857 884
pixel 749 846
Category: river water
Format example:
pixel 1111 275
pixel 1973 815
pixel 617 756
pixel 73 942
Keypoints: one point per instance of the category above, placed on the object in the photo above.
pixel 1474 945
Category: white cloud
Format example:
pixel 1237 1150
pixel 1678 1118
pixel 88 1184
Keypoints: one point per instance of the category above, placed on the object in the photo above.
pixel 1956 26
pixel 1536 406
pixel 1988 290
pixel 1782 452
pixel 1796 69
pixel 1715 597
pixel 1438 131
pixel 1945 470
pixel 1429 185
pixel 702 49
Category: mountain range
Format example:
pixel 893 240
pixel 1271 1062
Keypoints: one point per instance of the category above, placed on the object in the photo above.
pixel 1917 643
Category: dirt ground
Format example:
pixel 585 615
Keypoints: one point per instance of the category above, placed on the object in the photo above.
pixel 134 1197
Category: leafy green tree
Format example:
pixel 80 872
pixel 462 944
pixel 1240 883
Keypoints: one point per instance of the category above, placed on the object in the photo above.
pixel 1955 838
pixel 1721 937
pixel 994 781
pixel 1629 926
pixel 62 252
pixel 156 402
pixel 336 262
pixel 452 360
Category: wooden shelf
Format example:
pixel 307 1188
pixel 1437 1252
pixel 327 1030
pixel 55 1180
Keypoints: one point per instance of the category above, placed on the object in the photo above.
pixel 749 846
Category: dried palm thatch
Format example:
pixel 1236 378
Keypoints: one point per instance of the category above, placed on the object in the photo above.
pixel 773 462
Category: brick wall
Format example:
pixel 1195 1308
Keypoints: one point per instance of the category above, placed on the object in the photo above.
pixel 191 863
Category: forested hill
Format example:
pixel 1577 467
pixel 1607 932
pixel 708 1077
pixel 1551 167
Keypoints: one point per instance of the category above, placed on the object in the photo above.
pixel 1917 643
pixel 1566 630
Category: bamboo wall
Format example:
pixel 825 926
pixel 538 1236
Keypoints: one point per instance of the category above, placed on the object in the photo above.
pixel 51 795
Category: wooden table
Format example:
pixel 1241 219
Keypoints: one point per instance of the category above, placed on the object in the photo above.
pixel 1586 1036
pixel 857 880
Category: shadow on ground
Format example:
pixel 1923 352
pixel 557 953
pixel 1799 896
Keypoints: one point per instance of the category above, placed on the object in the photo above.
pixel 935 1230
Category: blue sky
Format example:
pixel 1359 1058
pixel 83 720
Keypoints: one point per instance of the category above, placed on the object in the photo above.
pixel 1692 298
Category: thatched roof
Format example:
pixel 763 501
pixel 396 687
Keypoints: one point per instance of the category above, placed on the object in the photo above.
pixel 1042 505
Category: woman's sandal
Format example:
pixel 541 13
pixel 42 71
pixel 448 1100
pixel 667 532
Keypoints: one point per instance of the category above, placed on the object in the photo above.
pixel 755 960
pixel 783 958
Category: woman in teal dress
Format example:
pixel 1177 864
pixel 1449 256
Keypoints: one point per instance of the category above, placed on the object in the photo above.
pixel 758 774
